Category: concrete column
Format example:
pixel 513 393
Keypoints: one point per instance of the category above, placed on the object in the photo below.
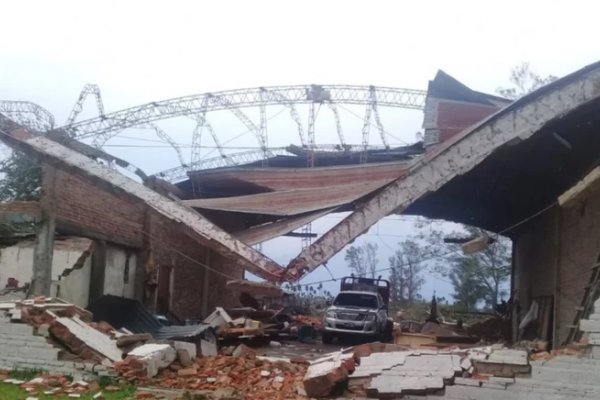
pixel 44 239
pixel 42 257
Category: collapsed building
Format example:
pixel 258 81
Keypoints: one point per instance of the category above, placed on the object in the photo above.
pixel 525 169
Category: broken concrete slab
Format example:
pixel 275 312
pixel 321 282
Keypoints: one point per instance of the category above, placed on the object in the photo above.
pixel 407 372
pixel 91 337
pixel 208 349
pixel 184 358
pixel 321 377
pixel 376 363
pixel 509 356
pixel 154 356
pixel 504 363
pixel 187 346
pixel 386 386
pixel 218 318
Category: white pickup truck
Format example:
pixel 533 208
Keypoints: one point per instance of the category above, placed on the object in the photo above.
pixel 359 310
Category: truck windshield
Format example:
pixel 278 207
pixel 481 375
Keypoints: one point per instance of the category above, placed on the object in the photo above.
pixel 356 300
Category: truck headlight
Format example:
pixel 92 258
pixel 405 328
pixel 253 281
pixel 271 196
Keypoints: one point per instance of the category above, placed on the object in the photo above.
pixel 330 314
pixel 370 317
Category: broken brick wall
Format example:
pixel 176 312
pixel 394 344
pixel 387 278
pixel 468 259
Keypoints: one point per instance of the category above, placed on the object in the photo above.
pixel 104 213
pixel 554 254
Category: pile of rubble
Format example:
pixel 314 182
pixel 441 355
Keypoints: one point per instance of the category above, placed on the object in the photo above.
pixel 249 376
pixel 63 335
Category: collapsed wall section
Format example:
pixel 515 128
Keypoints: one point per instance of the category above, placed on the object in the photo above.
pixel 158 246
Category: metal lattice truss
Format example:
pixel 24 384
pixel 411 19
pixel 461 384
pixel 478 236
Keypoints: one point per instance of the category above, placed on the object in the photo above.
pixel 196 107
pixel 28 114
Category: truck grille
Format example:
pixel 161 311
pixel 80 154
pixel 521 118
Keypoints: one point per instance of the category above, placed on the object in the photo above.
pixel 351 327
pixel 351 316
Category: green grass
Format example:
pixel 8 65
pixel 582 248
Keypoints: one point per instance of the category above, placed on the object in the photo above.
pixel 24 374
pixel 14 392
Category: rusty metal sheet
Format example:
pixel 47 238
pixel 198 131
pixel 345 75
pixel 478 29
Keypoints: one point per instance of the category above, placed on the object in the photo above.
pixel 198 227
pixel 295 178
pixel 290 202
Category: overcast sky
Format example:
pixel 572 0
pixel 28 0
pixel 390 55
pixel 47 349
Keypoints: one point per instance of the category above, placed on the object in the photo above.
pixel 141 51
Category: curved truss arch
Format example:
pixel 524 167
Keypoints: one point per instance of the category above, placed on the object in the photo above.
pixel 235 99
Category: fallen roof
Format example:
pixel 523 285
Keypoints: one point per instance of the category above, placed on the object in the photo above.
pixel 261 179
pixel 293 201
pixel 535 114
pixel 194 224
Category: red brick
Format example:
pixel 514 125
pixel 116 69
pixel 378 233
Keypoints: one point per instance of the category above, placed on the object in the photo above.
pixel 187 372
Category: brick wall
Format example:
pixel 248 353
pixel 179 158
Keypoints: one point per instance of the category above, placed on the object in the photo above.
pixel 454 117
pixel 172 247
pixel 26 207
pixel 447 118
pixel 97 211
pixel 560 246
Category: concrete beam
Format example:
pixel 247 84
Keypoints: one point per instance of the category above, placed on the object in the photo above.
pixel 459 155
pixel 203 230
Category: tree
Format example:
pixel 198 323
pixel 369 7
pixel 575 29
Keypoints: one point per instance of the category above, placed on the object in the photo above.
pixel 475 277
pixel 524 81
pixel 22 178
pixel 371 258
pixel 468 290
pixel 362 260
pixel 406 277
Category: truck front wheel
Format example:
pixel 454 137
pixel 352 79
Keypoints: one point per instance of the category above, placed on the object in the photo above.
pixel 388 332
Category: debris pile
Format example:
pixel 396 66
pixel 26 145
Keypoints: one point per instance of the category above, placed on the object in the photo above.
pixel 250 376
pixel 244 323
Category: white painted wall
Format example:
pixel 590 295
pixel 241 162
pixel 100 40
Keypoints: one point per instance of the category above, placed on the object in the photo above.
pixel 75 288
pixel 17 262
pixel 117 280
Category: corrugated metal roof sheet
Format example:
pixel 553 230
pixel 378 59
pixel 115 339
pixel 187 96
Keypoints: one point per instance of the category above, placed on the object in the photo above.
pixel 126 313
pixel 291 202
